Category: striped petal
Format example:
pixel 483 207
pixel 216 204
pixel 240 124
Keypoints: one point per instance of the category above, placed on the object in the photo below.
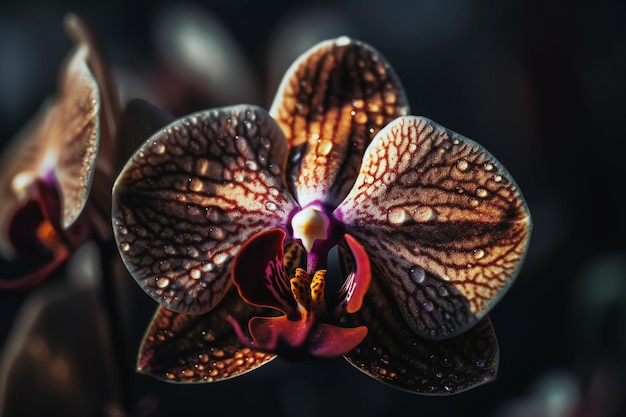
pixel 330 104
pixel 392 353
pixel 443 221
pixel 199 348
pixel 191 195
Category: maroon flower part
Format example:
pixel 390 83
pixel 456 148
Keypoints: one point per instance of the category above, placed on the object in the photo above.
pixel 309 324
pixel 231 215
pixel 49 169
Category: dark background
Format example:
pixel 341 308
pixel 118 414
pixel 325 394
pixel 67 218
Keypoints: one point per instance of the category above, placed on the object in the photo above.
pixel 540 84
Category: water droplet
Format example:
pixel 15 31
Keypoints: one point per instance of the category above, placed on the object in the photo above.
pixel 274 191
pixel 462 165
pixel 271 206
pixel 158 148
pixel 252 165
pixel 220 258
pixel 396 216
pixel 481 192
pixel 358 103
pixel 162 282
pixel 488 166
pixel 424 214
pixel 373 107
pixel 217 233
pixel 208 267
pixel 439 374
pixel 390 97
pixel 324 147
pixel 195 185
pixel 428 306
pixel 497 178
pixel 192 252
pixel 195 274
pixel 481 363
pixel 417 274
pixel 360 117
pixel 478 253
pixel 125 247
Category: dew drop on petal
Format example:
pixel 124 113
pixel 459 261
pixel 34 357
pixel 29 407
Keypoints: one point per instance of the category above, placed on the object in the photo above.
pixel 324 147
pixel 428 306
pixel 162 282
pixel 358 103
pixel 159 148
pixel 424 214
pixel 481 192
pixel 360 117
pixel 274 191
pixel 271 206
pixel 125 247
pixel 462 165
pixel 417 274
pixel 396 216
pixel 478 253
pixel 195 274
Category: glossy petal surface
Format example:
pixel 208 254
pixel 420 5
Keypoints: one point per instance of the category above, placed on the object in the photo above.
pixel 60 143
pixel 199 348
pixel 392 353
pixel 191 195
pixel 442 219
pixel 330 104
pixel 259 275
pixel 304 339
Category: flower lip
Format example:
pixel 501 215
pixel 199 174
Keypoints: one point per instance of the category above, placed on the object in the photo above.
pixel 309 326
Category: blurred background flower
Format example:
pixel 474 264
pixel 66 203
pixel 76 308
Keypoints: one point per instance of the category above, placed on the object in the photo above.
pixel 539 84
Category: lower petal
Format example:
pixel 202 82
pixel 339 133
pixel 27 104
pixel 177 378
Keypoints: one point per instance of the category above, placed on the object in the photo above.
pixel 394 354
pixel 199 348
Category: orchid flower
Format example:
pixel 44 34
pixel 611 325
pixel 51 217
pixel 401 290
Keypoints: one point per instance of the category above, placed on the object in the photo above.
pixel 50 168
pixel 227 217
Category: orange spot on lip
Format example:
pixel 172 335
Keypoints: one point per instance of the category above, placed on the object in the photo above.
pixel 47 235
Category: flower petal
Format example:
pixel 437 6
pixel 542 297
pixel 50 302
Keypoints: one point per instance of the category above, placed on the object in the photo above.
pixel 198 348
pixel 442 219
pixel 330 104
pixel 191 195
pixel 110 105
pixel 259 275
pixel 138 121
pixel 304 338
pixel 61 142
pixel 392 353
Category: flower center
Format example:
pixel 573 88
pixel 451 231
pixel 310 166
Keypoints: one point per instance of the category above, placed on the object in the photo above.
pixel 309 292
pixel 308 225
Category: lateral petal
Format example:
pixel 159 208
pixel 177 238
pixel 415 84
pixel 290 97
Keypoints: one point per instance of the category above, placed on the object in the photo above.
pixel 442 219
pixel 191 195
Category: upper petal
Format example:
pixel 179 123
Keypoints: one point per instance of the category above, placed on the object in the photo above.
pixel 330 104
pixel 442 219
pixel 191 195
